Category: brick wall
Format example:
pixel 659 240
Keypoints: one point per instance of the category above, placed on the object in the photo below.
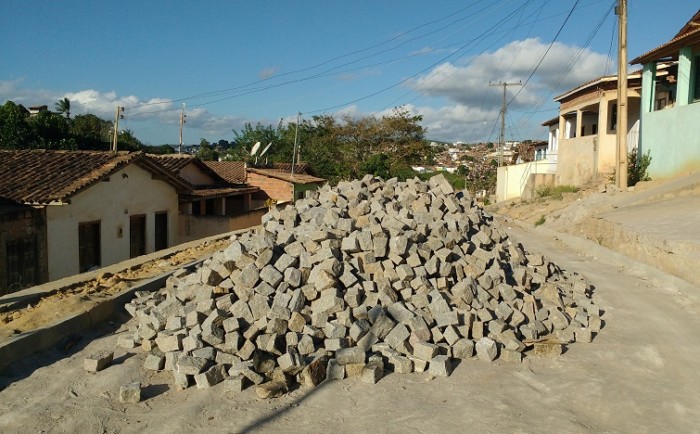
pixel 17 223
pixel 276 189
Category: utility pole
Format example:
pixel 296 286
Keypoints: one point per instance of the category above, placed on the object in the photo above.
pixel 117 115
pixel 504 108
pixel 621 172
pixel 296 143
pixel 182 123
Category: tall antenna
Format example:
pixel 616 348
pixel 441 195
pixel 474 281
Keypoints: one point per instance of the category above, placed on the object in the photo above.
pixel 504 108
pixel 182 123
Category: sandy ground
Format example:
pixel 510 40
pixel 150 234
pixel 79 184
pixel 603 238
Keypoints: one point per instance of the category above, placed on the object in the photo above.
pixel 59 304
pixel 639 375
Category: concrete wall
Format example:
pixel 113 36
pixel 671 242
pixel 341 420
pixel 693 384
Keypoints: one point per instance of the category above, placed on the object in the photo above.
pixel 511 181
pixel 576 163
pixel 195 227
pixel 671 136
pixel 279 190
pixel 130 191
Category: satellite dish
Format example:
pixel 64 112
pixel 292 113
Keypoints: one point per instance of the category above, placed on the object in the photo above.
pixel 265 150
pixel 255 149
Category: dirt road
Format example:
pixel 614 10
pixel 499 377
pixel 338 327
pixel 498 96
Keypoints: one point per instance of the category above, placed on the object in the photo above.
pixel 639 375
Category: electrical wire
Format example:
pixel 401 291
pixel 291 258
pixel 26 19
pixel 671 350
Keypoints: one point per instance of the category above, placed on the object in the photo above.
pixel 326 62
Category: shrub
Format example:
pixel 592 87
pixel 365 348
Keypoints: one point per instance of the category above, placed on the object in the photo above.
pixel 557 192
pixel 637 167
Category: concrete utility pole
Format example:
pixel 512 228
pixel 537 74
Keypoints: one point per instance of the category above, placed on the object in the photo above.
pixel 296 143
pixel 182 123
pixel 117 115
pixel 504 108
pixel 621 172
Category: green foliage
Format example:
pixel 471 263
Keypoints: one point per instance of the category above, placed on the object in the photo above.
pixel 15 131
pixel 282 139
pixel 161 150
pixel 557 192
pixel 637 166
pixel 540 221
pixel 45 130
pixel 377 165
pixel 63 107
pixel 342 148
pixel 91 132
pixel 206 152
pixel 50 131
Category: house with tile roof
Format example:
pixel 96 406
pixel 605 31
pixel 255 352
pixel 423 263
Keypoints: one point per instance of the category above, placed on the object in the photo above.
pixel 587 129
pixel 670 103
pixel 582 139
pixel 215 203
pixel 277 182
pixel 66 212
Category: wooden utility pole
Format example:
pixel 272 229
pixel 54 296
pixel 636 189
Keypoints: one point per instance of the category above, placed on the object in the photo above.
pixel 504 108
pixel 117 115
pixel 621 172
pixel 182 123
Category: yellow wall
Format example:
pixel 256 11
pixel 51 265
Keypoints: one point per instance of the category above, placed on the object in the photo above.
pixel 194 175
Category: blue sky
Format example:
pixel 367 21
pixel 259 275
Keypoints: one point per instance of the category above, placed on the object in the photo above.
pixel 241 61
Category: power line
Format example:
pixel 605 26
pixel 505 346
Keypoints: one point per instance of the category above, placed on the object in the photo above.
pixel 527 80
pixel 567 68
pixel 326 62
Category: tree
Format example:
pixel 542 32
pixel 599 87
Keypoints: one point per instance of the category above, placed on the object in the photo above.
pixel 15 130
pixel 126 141
pixel 281 150
pixel 50 131
pixel 206 152
pixel 91 132
pixel 63 107
pixel 463 171
pixel 161 150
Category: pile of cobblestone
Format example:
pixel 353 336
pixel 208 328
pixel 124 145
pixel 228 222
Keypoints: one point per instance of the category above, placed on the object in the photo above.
pixel 359 279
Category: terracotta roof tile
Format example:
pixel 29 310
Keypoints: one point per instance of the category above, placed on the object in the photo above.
pixel 231 171
pixel 173 162
pixel 42 177
pixel 301 168
pixel 214 192
pixel 287 176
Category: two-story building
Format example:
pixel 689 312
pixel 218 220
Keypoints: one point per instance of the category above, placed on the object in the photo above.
pixel 670 103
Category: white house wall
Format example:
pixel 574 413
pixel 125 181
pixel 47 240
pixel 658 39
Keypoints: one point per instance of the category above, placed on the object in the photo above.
pixel 130 191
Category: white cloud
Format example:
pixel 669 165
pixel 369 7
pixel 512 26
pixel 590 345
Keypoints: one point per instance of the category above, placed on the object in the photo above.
pixel 472 106
pixel 268 72
pixel 159 111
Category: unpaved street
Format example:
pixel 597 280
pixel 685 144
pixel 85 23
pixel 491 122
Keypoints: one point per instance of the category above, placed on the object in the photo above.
pixel 639 375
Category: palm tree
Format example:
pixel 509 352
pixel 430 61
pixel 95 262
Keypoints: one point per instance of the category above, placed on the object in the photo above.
pixel 63 106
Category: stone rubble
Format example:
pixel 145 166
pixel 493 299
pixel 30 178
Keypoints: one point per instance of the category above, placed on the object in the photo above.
pixel 354 280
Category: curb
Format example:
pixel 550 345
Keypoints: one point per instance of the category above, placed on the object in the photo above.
pixel 44 338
